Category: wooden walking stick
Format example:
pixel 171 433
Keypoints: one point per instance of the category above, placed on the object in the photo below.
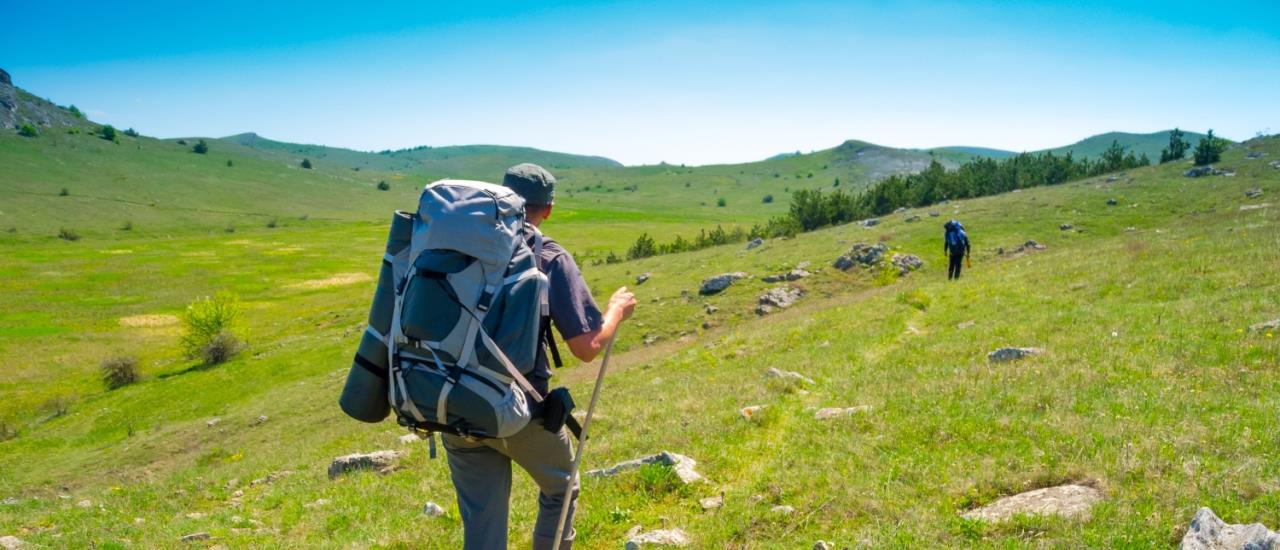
pixel 582 441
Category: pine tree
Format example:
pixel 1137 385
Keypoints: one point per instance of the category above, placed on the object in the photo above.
pixel 1177 147
pixel 1209 150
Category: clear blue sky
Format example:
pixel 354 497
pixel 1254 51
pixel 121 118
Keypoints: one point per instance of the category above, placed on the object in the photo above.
pixel 644 82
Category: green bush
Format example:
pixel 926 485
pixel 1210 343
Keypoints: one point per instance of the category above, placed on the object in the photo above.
pixel 131 132
pixel 200 147
pixel 768 199
pixel 209 327
pixel 119 371
pixel 68 235
pixel 127 226
pixel 273 223
pixel 28 130
pixel 720 202
pixel 644 247
pixel 229 163
pixel 1209 150
pixel 306 163
pixel 64 192
pixel 109 133
pixel 384 186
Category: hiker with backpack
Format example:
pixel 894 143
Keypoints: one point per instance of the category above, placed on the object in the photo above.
pixel 956 246
pixel 459 343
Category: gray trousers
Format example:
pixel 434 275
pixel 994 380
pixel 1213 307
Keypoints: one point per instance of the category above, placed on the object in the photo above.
pixel 481 472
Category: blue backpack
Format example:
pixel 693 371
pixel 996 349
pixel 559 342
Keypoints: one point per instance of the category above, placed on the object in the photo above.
pixel 955 237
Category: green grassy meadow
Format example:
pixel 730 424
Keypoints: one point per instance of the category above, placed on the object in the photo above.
pixel 1151 387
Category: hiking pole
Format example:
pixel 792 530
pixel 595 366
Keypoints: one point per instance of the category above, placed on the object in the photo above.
pixel 582 440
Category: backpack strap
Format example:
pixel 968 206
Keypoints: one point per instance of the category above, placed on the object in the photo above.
pixel 544 300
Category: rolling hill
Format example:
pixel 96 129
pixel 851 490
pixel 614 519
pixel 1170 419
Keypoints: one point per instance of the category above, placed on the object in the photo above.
pixel 1148 144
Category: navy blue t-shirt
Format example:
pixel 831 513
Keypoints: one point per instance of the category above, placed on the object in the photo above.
pixel 573 310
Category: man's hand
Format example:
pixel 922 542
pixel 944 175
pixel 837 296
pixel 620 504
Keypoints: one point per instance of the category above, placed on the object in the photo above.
pixel 623 302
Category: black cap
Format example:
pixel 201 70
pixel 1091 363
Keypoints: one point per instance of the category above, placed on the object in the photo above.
pixel 532 182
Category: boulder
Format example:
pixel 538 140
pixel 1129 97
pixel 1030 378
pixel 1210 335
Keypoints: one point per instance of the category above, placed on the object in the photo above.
pixel 912 219
pixel 1066 227
pixel 1069 501
pixel 712 503
pixel 754 243
pixel 899 210
pixel 660 537
pixel 10 542
pixel 1273 324
pixel 823 545
pixel 862 254
pixel 717 284
pixel 1209 532
pixel 1253 193
pixel 1030 245
pixel 1274 164
pixel 871 222
pixel 1011 354
pixel 778 298
pixel 1198 171
pixel 934 214
pixel 787 376
pixel 839 412
pixel 641 278
pixel 379 460
pixel 683 466
pixel 433 510
pixel 793 275
pixel 906 263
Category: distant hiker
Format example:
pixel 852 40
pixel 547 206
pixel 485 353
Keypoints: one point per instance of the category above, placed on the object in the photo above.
pixel 481 468
pixel 956 245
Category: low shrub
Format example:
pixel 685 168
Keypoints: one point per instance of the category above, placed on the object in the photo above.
pixel 209 325
pixel 768 199
pixel 127 226
pixel 273 223
pixel 229 163
pixel 109 132
pixel 221 348
pixel 119 371
pixel 68 235
pixel 720 202
pixel 306 163
pixel 131 132
pixel 384 186
pixel 28 130
pixel 200 147
pixel 64 192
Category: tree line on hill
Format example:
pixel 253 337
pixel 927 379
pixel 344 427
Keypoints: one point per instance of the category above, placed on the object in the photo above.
pixel 813 209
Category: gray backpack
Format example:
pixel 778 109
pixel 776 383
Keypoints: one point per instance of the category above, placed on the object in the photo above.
pixel 457 318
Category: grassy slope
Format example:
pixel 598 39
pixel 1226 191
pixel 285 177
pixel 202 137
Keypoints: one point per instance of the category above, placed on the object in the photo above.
pixel 1151 144
pixel 1147 388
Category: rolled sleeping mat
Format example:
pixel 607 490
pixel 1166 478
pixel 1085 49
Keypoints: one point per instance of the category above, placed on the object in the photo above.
pixel 364 397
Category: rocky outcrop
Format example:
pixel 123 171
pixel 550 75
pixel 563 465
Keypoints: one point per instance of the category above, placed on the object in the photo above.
pixel 1202 171
pixel 1070 501
pixel 377 460
pixel 1209 532
pixel 862 255
pixel 683 466
pixel 717 284
pixel 793 275
pixel 871 222
pixel 778 298
pixel 1012 354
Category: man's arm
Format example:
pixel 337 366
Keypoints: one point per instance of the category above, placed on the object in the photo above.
pixel 588 345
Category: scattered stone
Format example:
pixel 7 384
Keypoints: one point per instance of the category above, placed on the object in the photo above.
pixel 754 243
pixel 1274 164
pixel 1255 206
pixel 212 422
pixel 1253 193
pixel 1229 173
pixel 717 284
pixel 1030 245
pixel 683 466
pixel 899 210
pixel 660 537
pixel 10 501
pixel 823 545
pixel 862 254
pixel 838 412
pixel 706 325
pixel 1273 324
pixel 239 493
pixel 1069 501
pixel 408 439
pixel 710 309
pixel 906 263
pixel 10 542
pixel 1112 179
pixel 778 298
pixel 784 509
pixel 650 339
pixel 912 219
pixel 196 537
pixel 1201 171
pixel 1209 532
pixel 1130 229
pixel 1066 227
pixel 1010 354
pixel 84 503
pixel 712 503
pixel 965 324
pixel 750 413
pixel 270 477
pixel 871 222
pixel 1112 202
pixel 261 419
pixel 787 376
pixel 793 275
pixel 641 278
pixel 1253 155
pixel 195 515
pixel 380 460
pixel 433 510
pixel 934 214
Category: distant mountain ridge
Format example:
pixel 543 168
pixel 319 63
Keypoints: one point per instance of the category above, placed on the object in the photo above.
pixel 1148 144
